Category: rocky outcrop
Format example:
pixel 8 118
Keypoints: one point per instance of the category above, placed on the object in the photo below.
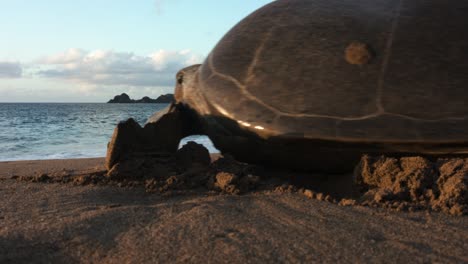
pixel 165 98
pixel 132 142
pixel 125 99
pixel 121 99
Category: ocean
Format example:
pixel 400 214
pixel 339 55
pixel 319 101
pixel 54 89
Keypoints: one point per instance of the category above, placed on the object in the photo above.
pixel 36 131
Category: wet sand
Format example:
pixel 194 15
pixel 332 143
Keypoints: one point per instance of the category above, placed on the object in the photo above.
pixel 56 222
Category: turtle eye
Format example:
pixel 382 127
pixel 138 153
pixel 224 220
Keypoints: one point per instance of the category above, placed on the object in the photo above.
pixel 180 78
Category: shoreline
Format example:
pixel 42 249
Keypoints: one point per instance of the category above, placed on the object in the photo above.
pixel 53 222
pixel 31 167
pixel 78 165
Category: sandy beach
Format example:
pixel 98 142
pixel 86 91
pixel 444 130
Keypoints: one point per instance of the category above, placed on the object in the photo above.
pixel 62 222
pixel 268 131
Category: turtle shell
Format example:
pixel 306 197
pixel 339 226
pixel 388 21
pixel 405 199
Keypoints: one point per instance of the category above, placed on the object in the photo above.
pixel 352 71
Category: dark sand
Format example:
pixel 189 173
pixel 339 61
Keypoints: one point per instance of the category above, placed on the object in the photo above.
pixel 65 223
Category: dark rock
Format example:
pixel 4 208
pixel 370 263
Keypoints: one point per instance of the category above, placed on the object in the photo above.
pixel 192 155
pixel 145 100
pixel 249 182
pixel 121 99
pixel 125 99
pixel 155 140
pixel 165 99
pixel 42 178
pixel 128 169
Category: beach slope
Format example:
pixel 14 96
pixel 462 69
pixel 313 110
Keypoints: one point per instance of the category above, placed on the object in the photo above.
pixel 55 222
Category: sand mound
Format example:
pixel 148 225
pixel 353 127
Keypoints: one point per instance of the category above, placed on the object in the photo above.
pixel 402 184
pixel 189 170
pixel 414 183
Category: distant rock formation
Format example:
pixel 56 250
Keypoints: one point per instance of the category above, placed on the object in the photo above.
pixel 165 98
pixel 125 99
pixel 121 99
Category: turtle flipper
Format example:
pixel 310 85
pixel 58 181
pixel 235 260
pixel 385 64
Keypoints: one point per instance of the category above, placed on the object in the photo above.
pixel 160 136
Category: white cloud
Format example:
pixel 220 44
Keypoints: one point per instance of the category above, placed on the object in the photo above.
pixel 10 70
pixel 69 56
pixel 164 59
pixel 106 67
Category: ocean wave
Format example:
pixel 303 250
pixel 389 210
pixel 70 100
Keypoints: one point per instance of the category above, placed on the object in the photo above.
pixel 67 131
pixel 21 152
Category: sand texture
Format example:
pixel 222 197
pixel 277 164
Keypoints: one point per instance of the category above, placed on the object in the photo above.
pixel 47 218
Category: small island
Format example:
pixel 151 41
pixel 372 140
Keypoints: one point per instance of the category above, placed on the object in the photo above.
pixel 125 99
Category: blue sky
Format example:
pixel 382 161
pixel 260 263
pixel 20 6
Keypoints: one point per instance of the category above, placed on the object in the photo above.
pixel 88 51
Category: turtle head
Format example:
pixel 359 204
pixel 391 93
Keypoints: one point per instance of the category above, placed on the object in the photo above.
pixel 186 83
pixel 188 92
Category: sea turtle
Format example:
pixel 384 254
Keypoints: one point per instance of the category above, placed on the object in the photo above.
pixel 314 84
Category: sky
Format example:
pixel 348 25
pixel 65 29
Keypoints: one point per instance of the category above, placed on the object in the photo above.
pixel 91 50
